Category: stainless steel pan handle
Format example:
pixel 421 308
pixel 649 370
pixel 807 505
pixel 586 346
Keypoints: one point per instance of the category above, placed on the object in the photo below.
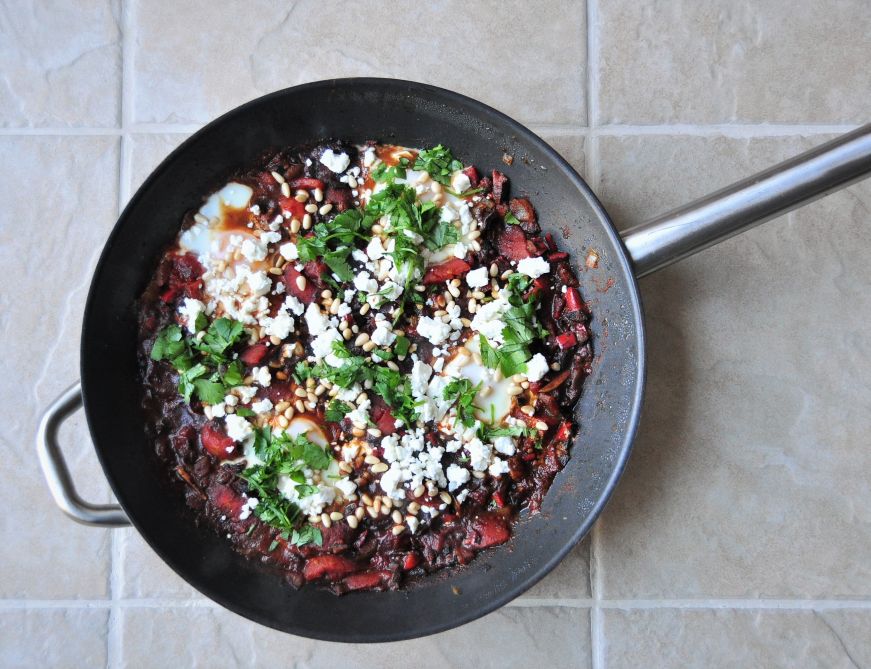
pixel 782 188
pixel 60 483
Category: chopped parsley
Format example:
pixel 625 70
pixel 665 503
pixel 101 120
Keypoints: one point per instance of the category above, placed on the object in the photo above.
pixel 203 365
pixel 337 410
pixel 333 241
pixel 462 393
pixel 511 219
pixel 521 329
pixel 288 456
pixel 439 163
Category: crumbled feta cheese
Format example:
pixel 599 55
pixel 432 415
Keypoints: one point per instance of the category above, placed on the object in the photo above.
pixel 293 304
pixel 336 162
pixel 420 373
pixel 245 393
pixel 288 251
pixel 271 237
pixel 346 486
pixel 533 267
pixel 189 311
pixel 382 335
pixel 259 283
pixel 504 445
pixel 253 250
pixel 262 406
pixel 457 476
pixel 460 182
pixel 435 330
pixel 478 277
pixel 537 367
pixel 413 523
pixel 322 346
pixel 365 283
pixel 479 454
pixel 375 249
pixel 498 467
pixel 218 410
pixel 369 157
pixel 238 429
pixel 487 319
pixel 262 376
pixel 316 320
pixel 247 507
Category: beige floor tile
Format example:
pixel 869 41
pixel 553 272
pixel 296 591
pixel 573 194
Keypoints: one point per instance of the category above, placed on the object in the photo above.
pixel 146 576
pixel 570 145
pixel 60 203
pixel 569 580
pixel 716 62
pixel 147 152
pixel 749 476
pixel 73 638
pixel 214 638
pixel 704 638
pixel 527 62
pixel 60 63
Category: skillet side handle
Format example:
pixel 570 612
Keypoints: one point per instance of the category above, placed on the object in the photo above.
pixel 734 209
pixel 56 472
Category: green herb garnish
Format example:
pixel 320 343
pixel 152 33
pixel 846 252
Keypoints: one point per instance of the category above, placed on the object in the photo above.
pixel 439 163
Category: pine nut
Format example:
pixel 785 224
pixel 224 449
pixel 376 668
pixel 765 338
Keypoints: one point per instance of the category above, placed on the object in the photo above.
pixel 371 460
pixel 396 516
pixel 294 225
pixel 311 208
pixel 325 520
pixel 285 189
pixel 352 522
pixel 325 209
pixel 301 282
pixel 380 468
pixel 361 339
pixel 319 195
pixel 397 530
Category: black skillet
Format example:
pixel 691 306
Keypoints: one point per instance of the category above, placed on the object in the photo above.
pixel 414 115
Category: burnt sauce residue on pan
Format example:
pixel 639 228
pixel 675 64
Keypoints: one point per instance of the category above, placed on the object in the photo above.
pixel 360 362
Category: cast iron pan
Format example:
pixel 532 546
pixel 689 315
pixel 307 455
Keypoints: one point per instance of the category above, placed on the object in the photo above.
pixel 414 115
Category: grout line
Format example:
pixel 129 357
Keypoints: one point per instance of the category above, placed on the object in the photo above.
pixel 72 132
pixel 114 632
pixel 597 633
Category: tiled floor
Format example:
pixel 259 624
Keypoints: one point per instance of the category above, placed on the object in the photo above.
pixel 741 533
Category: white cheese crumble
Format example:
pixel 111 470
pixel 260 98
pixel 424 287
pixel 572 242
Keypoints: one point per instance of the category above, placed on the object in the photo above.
pixel 436 331
pixel 315 319
pixel 478 278
pixel 288 251
pixel 238 429
pixel 383 335
pixel 487 319
pixel 189 311
pixel 262 406
pixel 457 476
pixel 336 162
pixel 533 267
pixel 537 367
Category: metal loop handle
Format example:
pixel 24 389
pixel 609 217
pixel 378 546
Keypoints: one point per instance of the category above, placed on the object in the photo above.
pixel 782 188
pixel 56 472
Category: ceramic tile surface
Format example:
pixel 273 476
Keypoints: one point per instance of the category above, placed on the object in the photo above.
pixel 740 534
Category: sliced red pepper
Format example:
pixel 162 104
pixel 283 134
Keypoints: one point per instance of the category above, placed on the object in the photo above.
pixel 307 183
pixel 451 269
pixel 566 340
pixel 499 499
pixel 573 299
pixel 333 567
pixel 253 355
pixel 410 561
pixel 472 173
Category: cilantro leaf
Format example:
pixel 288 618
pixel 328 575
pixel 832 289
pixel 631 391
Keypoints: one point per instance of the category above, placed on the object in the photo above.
pixel 233 374
pixel 337 410
pixel 169 343
pixel 439 162
pixel 307 534
pixel 401 346
pixel 511 219
pixel 489 355
pixel 384 173
pixel 209 392
pixel 462 393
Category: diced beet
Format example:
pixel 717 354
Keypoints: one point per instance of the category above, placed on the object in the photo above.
pixel 340 197
pixel 254 354
pixel 547 408
pixel 502 209
pixel 305 295
pixel 216 442
pixel 382 417
pixel 524 212
pixel 331 567
pixel 582 332
pixel 472 173
pixel 451 269
pixel 499 499
pixel 306 183
pixel 557 256
pixel 487 530
pixel 227 500
pixel 278 391
pixel 566 340
pixel 557 305
pixel 573 299
pixel 565 274
pixel 185 273
pixel 315 269
pixel 500 185
pixel 551 245
pixel 511 243
pixel 365 580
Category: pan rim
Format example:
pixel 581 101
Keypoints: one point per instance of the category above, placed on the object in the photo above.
pixel 623 265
